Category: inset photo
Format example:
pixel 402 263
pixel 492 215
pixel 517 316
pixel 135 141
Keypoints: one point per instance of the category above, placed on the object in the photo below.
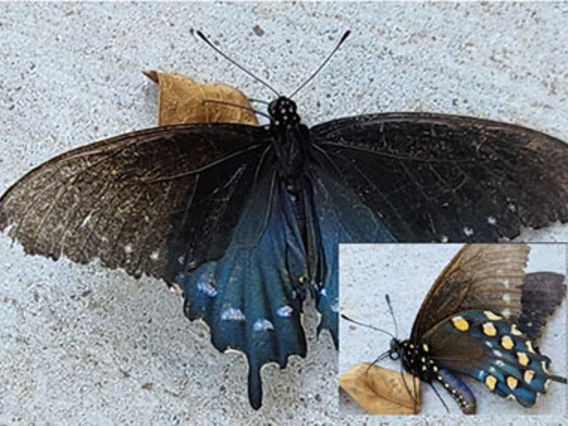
pixel 452 329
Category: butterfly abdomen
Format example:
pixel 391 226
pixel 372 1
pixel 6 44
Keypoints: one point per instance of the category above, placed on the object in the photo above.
pixel 418 360
pixel 459 391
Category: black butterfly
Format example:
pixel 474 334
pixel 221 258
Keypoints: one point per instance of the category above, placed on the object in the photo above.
pixel 246 220
pixel 481 318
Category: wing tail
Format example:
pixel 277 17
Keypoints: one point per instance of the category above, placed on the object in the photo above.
pixel 252 298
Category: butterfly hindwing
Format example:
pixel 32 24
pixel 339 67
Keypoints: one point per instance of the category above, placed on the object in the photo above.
pixel 491 349
pixel 252 298
pixel 444 178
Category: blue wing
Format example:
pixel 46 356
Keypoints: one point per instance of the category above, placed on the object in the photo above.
pixel 485 346
pixel 338 216
pixel 251 298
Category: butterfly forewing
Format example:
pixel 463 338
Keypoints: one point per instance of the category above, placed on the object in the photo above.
pixel 435 177
pixel 135 200
pixel 480 276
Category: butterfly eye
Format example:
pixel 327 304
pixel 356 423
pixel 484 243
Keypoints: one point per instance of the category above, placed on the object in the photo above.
pixel 394 355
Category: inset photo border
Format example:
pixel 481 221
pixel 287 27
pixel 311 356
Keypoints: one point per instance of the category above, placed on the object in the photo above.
pixel 406 272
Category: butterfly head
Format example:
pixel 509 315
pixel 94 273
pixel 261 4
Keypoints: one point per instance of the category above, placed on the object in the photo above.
pixel 283 112
pixel 395 349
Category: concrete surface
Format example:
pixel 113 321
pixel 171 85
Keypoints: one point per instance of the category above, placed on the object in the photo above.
pixel 80 344
pixel 406 272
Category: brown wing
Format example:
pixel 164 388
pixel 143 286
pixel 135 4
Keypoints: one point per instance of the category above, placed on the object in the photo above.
pixel 543 293
pixel 138 200
pixel 480 276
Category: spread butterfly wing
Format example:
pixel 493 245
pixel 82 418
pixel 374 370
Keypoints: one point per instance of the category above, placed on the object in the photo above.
pixel 436 177
pixel 481 276
pixel 143 201
pixel 252 298
pixel 199 206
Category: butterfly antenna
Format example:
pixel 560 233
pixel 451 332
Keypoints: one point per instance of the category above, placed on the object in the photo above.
pixel 260 101
pixel 377 360
pixel 366 325
pixel 392 313
pixel 229 104
pixel 235 63
pixel 440 397
pixel 322 65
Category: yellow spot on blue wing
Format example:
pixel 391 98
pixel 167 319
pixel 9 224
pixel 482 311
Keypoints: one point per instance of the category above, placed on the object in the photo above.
pixel 507 342
pixel 512 382
pixel 460 323
pixel 489 329
pixel 491 382
pixel 523 359
pixel 528 376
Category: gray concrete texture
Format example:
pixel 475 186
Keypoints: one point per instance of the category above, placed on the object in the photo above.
pixel 81 344
pixel 406 272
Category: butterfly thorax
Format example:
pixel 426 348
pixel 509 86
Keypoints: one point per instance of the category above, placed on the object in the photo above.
pixel 291 140
pixel 416 358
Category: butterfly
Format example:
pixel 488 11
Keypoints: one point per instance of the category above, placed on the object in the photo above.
pixel 244 221
pixel 482 318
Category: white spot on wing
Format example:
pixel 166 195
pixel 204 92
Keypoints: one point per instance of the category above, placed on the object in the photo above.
pixel 491 220
pixel 468 232
pixel 506 298
pixel 155 255
pixel 497 353
pixel 128 248
pixel 233 314
pixel 207 288
pixel 262 325
pixel 335 306
pixel 284 311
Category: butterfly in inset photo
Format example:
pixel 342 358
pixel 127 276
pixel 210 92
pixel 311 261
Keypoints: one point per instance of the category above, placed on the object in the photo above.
pixel 483 317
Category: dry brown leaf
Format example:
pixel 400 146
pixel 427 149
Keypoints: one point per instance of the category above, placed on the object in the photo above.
pixel 183 100
pixel 381 391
